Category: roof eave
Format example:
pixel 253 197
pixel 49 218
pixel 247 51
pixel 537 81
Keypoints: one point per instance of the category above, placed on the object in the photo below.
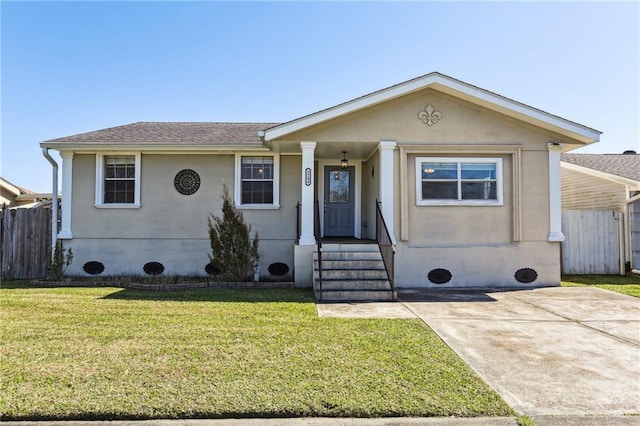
pixel 600 174
pixel 150 147
pixel 452 87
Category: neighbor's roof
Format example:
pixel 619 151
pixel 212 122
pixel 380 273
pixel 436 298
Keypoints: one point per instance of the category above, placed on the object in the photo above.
pixel 623 165
pixel 168 134
pixel 451 86
pixel 15 189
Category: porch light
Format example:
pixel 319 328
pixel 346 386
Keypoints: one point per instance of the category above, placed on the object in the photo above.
pixel 344 163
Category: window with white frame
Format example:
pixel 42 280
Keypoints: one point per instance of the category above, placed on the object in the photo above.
pixel 118 180
pixel 458 181
pixel 257 181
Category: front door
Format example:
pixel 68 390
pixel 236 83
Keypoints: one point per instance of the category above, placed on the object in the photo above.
pixel 339 201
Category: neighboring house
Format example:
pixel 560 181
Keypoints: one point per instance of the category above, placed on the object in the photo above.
pixel 468 183
pixel 607 182
pixel 12 196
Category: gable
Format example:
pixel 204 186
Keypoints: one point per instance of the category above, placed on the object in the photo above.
pixel 460 122
pixel 455 88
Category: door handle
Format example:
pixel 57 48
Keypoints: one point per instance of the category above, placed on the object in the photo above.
pixel 325 206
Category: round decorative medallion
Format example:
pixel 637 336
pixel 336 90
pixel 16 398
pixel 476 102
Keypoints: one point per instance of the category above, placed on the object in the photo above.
pixel 187 182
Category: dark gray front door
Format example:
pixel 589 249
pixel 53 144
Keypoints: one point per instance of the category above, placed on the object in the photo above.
pixel 339 202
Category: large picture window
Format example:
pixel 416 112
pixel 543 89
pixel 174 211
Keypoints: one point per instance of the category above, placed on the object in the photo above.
pixel 257 181
pixel 458 181
pixel 118 180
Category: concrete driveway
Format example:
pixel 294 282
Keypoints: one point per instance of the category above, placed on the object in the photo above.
pixel 547 351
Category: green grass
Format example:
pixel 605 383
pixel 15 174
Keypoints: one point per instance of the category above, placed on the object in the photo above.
pixel 625 285
pixel 109 353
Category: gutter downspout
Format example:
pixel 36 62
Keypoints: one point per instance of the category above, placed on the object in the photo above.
pixel 54 200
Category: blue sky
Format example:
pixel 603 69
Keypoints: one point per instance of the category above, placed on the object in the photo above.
pixel 72 67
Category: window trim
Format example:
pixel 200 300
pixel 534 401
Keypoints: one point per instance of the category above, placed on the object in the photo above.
pixel 238 181
pixel 99 199
pixel 435 202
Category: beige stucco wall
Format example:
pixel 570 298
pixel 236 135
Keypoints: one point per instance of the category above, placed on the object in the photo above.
pixel 370 192
pixel 171 228
pixel 583 191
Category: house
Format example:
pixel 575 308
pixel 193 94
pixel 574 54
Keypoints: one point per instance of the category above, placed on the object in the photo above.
pixel 466 181
pixel 607 182
pixel 13 196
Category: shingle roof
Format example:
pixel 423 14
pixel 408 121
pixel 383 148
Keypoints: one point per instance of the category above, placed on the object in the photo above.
pixel 171 133
pixel 624 165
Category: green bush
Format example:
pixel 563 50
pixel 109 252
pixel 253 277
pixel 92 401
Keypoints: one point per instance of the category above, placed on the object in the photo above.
pixel 233 252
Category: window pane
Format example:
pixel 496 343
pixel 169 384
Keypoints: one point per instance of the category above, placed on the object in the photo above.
pixel 439 190
pixel 439 171
pixel 256 168
pixel 257 192
pixel 479 191
pixel 478 171
pixel 339 186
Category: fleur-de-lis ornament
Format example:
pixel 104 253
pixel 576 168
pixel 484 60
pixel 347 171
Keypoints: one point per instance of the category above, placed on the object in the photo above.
pixel 429 116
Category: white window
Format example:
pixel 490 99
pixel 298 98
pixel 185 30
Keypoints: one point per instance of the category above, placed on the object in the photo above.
pixel 118 180
pixel 257 181
pixel 458 181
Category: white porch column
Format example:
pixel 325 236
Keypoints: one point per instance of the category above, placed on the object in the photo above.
pixel 67 175
pixel 306 209
pixel 386 176
pixel 555 197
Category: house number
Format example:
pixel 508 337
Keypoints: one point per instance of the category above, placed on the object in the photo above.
pixel 307 176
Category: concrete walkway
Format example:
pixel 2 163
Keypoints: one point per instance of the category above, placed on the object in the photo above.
pixel 548 351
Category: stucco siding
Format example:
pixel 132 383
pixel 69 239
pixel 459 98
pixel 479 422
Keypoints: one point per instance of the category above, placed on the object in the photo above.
pixel 478 266
pixel 583 191
pixel 370 192
pixel 169 227
pixel 535 195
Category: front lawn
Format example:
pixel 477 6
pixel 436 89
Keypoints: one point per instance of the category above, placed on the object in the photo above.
pixel 625 285
pixel 109 353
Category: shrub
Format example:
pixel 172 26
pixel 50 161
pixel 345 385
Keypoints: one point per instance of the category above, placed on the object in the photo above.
pixel 60 261
pixel 232 251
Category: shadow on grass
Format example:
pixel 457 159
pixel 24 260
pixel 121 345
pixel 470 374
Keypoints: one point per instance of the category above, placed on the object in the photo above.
pixel 14 284
pixel 250 295
pixel 600 279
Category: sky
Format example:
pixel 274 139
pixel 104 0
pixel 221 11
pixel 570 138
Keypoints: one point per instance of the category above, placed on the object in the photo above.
pixel 72 67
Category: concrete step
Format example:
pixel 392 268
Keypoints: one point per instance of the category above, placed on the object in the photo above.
pixel 350 264
pixel 355 296
pixel 351 274
pixel 348 285
pixel 350 247
pixel 349 255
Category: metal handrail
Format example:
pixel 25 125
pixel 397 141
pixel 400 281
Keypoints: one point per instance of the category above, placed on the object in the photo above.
pixel 298 221
pixel 385 244
pixel 316 234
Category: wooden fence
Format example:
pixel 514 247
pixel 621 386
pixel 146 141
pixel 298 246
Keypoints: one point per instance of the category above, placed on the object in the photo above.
pixel 25 243
pixel 592 242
